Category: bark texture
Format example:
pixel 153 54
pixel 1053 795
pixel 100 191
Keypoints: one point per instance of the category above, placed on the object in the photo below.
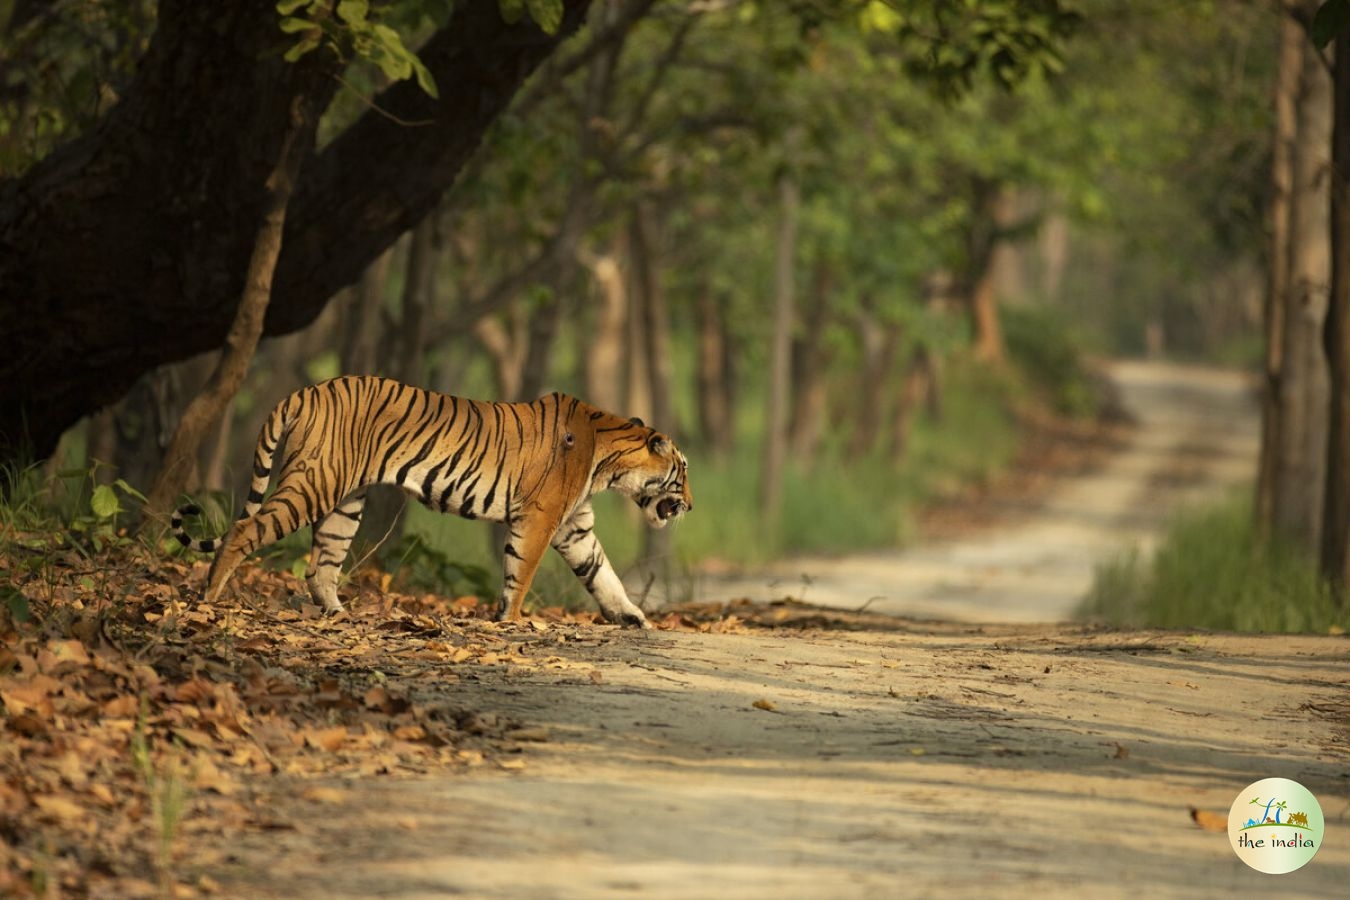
pixel 1277 275
pixel 1300 471
pixel 1336 508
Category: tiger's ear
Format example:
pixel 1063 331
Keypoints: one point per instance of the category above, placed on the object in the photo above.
pixel 657 443
pixel 638 422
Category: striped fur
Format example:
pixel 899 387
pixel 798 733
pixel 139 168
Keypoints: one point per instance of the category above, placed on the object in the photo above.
pixel 534 466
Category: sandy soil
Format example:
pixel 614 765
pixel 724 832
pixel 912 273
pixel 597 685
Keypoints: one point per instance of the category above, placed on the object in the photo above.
pixel 874 757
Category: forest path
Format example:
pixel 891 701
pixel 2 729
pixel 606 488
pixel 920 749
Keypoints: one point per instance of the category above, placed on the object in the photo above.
pixel 1197 437
pixel 875 757
pixel 921 761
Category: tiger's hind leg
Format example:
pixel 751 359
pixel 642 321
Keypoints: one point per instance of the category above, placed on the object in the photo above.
pixel 576 542
pixel 332 539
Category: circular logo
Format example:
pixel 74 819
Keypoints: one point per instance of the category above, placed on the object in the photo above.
pixel 1275 826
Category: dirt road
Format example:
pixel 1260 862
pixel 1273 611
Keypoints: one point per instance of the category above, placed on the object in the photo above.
pixel 881 757
pixel 1197 437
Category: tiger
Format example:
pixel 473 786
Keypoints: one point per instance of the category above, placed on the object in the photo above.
pixel 533 466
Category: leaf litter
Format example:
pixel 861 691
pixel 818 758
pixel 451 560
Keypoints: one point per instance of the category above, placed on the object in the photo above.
pixel 134 717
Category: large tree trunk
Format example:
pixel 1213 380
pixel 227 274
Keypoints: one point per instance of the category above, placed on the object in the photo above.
pixel 209 405
pixel 1292 38
pixel 1336 509
pixel 1300 471
pixel 127 248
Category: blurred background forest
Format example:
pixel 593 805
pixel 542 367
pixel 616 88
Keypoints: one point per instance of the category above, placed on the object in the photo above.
pixel 840 251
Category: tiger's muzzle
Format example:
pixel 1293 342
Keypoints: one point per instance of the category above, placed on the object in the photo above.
pixel 668 508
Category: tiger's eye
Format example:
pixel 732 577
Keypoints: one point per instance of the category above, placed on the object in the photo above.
pixel 569 439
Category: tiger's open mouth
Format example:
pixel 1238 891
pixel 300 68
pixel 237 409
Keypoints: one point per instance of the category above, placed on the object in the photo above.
pixel 668 508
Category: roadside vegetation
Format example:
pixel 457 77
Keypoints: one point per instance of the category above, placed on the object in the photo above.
pixel 1210 571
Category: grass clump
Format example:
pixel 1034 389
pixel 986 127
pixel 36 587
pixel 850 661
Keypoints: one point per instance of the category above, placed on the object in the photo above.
pixel 1211 572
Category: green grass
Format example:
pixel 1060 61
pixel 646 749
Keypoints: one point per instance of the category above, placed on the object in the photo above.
pixel 1210 572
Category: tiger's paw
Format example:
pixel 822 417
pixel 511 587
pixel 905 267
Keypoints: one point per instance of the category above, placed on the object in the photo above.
pixel 634 619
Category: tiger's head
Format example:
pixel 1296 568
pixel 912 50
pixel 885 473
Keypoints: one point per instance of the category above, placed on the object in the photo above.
pixel 645 464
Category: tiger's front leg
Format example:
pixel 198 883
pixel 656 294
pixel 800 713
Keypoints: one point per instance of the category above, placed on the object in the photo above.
pixel 575 540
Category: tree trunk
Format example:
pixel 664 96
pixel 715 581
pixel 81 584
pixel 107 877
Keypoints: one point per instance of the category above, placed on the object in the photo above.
pixel 809 361
pixel 365 324
pixel 1336 511
pixel 994 213
pixel 780 349
pixel 1292 38
pixel 603 347
pixel 542 333
pixel 1054 253
pixel 652 306
pixel 716 418
pixel 127 248
pixel 914 387
pixel 242 340
pixel 407 361
pixel 880 343
pixel 1300 472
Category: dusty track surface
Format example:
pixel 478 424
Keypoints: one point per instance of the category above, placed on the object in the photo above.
pixel 925 761
pixel 825 755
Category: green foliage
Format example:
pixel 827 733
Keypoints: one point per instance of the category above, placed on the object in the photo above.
pixel 62 66
pixel 1210 572
pixel 351 29
pixel 417 565
pixel 547 14
pixel 958 41
pixel 99 526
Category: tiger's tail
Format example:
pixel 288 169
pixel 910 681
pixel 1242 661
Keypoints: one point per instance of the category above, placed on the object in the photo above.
pixel 277 426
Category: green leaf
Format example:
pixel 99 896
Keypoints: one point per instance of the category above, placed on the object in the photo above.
pixel 512 10
pixel 424 79
pixel 299 567
pixel 104 502
pixel 17 604
pixel 286 7
pixel 1331 19
pixel 292 24
pixel 546 13
pixel 353 12
pixel 127 489
pixel 301 49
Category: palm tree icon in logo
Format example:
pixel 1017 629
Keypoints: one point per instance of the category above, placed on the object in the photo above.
pixel 1265 819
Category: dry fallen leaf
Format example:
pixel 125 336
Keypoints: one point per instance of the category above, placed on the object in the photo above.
pixel 324 795
pixel 766 705
pixel 1208 820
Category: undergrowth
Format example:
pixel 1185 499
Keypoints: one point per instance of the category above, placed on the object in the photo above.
pixel 1211 572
